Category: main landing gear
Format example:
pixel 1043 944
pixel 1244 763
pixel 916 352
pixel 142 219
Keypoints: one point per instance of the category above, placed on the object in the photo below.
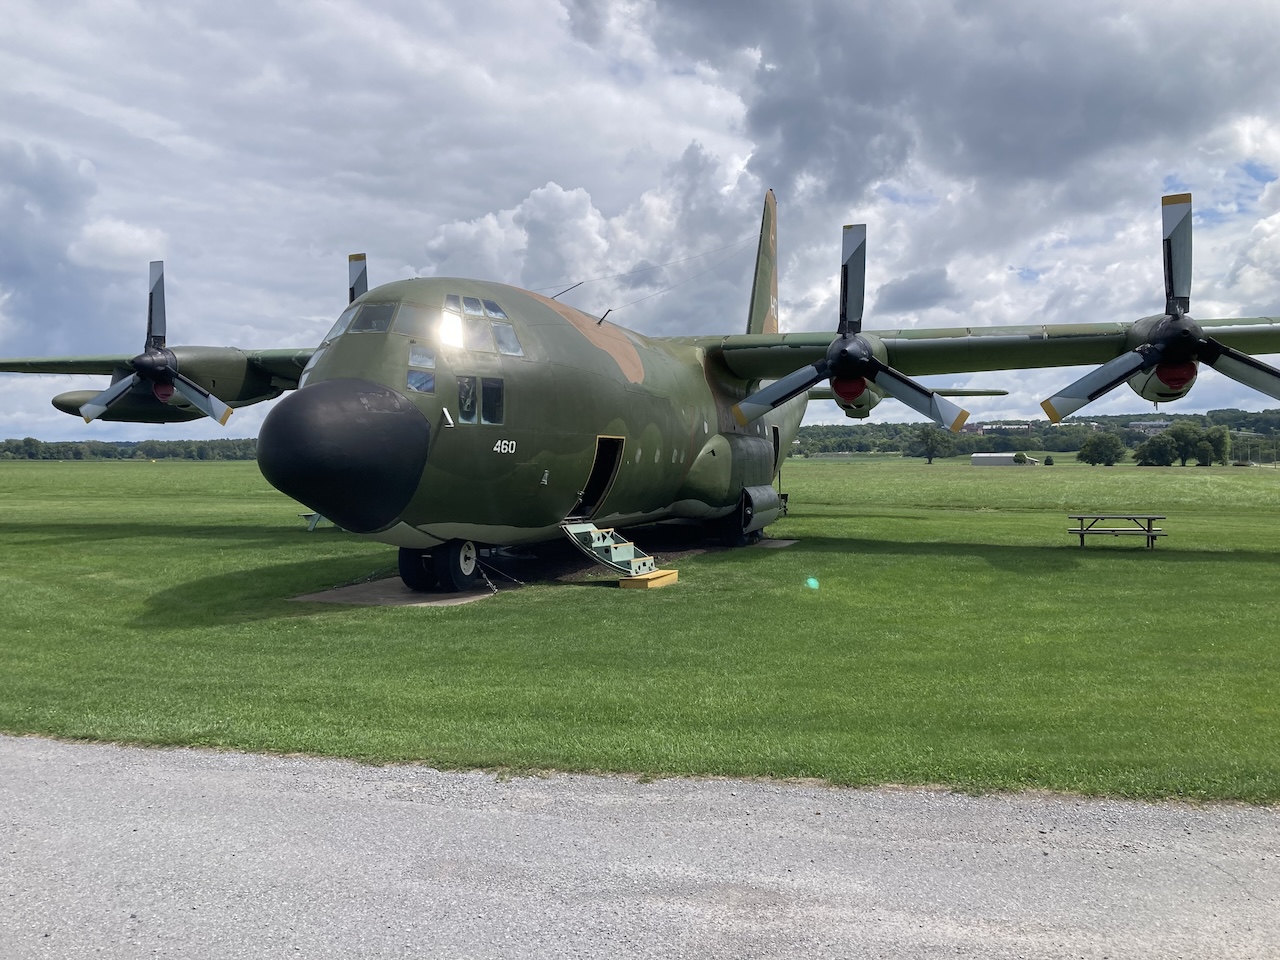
pixel 453 566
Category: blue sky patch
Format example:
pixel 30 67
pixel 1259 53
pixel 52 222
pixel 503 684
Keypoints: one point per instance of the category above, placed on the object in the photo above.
pixel 1259 171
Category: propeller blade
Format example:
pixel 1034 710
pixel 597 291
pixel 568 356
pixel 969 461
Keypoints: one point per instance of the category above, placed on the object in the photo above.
pixel 919 398
pixel 202 399
pixel 779 392
pixel 155 308
pixel 107 398
pixel 853 278
pixel 1097 382
pixel 1176 214
pixel 357 277
pixel 1242 368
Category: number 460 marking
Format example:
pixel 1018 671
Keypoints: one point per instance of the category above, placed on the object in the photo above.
pixel 504 446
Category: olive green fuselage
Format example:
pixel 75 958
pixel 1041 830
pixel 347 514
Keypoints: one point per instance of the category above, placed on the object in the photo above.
pixel 576 418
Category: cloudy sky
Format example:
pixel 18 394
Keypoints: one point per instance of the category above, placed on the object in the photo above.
pixel 1008 157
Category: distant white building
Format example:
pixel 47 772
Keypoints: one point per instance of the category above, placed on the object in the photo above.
pixel 1000 460
pixel 1149 427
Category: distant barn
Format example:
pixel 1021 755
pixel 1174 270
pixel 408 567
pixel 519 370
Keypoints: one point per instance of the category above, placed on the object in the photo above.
pixel 1000 460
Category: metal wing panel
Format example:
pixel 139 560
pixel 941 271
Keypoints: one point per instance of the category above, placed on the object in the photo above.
pixel 66 365
pixel 1246 334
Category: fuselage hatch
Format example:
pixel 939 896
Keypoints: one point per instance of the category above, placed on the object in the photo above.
pixel 445 409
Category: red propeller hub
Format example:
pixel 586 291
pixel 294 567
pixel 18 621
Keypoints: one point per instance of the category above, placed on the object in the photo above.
pixel 848 389
pixel 1175 376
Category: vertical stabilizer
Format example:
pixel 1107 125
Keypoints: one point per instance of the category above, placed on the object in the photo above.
pixel 762 312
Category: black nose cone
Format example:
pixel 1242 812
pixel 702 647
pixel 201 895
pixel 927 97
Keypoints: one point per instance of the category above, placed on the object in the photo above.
pixel 351 450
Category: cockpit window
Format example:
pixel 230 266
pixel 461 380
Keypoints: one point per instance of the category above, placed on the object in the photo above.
pixel 373 318
pixel 449 332
pixel 508 342
pixel 478 335
pixel 468 322
pixel 339 328
pixel 414 321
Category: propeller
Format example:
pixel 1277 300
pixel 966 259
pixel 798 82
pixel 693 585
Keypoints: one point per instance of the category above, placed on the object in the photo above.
pixel 357 276
pixel 851 361
pixel 1170 344
pixel 157 366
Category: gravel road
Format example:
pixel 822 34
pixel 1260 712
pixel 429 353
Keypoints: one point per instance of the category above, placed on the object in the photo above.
pixel 124 852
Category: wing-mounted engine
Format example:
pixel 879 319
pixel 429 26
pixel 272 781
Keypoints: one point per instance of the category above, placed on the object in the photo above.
pixel 216 372
pixel 856 363
pixel 1165 349
pixel 156 376
pixel 166 384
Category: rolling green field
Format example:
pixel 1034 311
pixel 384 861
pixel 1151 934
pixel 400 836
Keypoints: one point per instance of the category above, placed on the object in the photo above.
pixel 958 635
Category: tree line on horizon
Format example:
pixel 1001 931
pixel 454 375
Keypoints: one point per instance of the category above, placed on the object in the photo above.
pixel 29 448
pixel 1204 438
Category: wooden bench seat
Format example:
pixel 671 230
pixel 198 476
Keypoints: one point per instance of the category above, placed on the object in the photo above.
pixel 1120 531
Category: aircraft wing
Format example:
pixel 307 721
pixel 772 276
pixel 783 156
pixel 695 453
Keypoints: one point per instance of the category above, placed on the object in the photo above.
pixel 88 365
pixel 284 365
pixel 212 381
pixel 921 352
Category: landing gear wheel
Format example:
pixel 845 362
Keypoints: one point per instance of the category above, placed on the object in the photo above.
pixel 457 565
pixel 417 570
pixel 734 527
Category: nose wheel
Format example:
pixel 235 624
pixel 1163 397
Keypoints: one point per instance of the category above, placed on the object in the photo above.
pixel 457 565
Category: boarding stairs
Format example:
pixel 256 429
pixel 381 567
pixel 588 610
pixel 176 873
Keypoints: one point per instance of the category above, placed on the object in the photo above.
pixel 608 547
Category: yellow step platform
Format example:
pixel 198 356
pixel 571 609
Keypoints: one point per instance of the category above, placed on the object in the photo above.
pixel 651 581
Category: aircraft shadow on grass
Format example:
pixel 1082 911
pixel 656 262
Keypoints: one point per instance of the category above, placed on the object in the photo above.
pixel 263 593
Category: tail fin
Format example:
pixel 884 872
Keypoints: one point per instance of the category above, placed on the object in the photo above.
pixel 762 312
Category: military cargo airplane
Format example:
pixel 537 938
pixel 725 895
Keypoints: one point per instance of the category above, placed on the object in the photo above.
pixel 447 416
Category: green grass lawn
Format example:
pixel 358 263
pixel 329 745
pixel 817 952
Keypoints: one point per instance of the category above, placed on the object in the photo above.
pixel 958 634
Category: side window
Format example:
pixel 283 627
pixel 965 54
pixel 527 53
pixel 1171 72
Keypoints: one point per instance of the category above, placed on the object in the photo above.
pixel 311 364
pixel 467 400
pixel 508 342
pixel 491 400
pixel 374 318
pixel 493 310
pixel 422 368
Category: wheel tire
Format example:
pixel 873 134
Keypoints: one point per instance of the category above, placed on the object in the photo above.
pixel 416 570
pixel 457 565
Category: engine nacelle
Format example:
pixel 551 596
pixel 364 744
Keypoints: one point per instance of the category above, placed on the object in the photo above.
pixel 1165 381
pixel 855 396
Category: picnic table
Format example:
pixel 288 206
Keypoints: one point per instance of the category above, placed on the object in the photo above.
pixel 1140 525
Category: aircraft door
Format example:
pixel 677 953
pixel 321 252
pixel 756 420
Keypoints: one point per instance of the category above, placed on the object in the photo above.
pixel 604 470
